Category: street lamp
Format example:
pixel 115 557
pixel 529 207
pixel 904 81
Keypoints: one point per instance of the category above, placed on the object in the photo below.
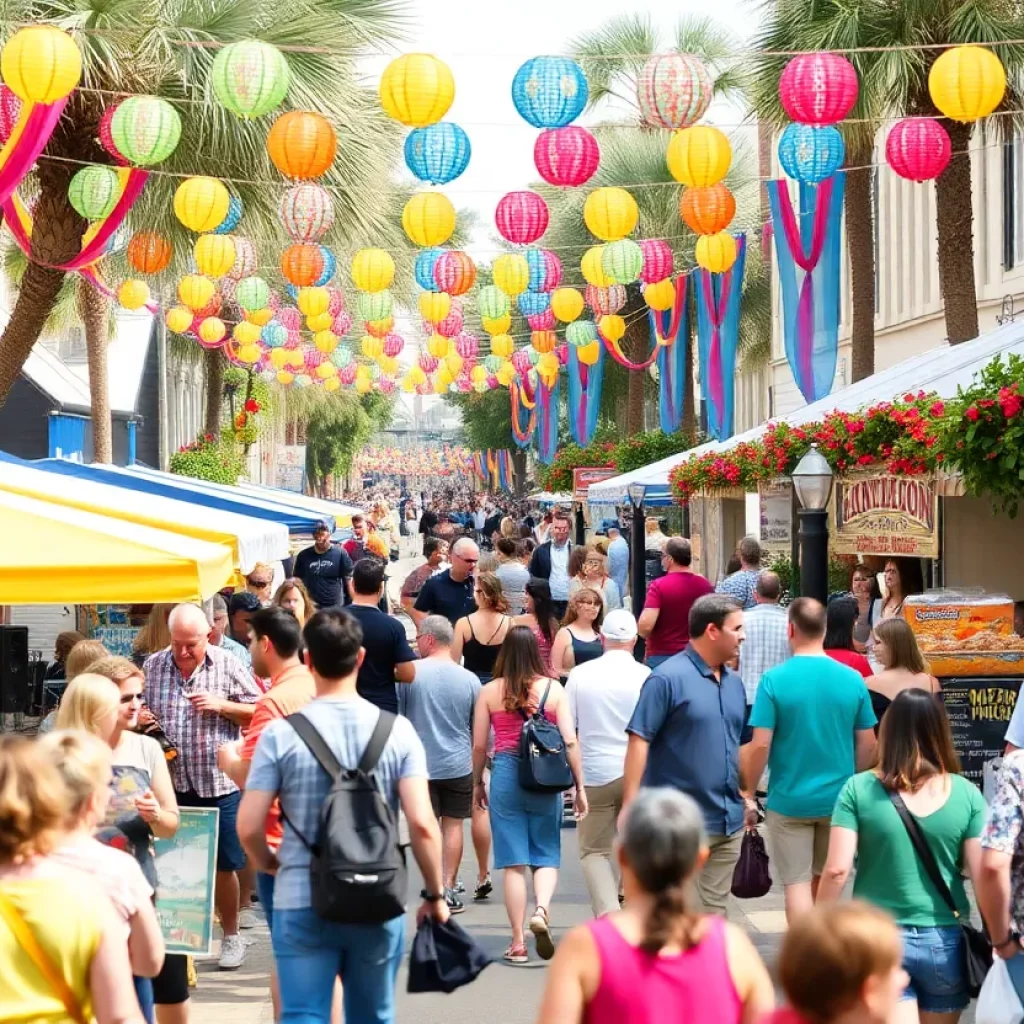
pixel 638 576
pixel 812 481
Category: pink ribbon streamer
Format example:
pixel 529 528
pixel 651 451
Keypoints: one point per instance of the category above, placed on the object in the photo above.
pixel 40 122
pixel 716 316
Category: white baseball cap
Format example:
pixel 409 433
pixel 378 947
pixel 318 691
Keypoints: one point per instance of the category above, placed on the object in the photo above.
pixel 619 626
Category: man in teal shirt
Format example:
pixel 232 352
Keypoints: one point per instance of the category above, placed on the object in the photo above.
pixel 813 727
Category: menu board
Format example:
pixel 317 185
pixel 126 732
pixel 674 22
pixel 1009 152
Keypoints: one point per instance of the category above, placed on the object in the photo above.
pixel 979 712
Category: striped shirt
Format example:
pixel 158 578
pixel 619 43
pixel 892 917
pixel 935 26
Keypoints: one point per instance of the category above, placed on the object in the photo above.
pixel 765 644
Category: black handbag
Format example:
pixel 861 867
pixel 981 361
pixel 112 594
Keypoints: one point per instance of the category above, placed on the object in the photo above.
pixel 977 947
pixel 543 761
pixel 751 879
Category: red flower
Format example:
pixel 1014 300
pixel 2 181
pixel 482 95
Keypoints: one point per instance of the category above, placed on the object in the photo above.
pixel 252 406
pixel 1010 402
pixel 937 409
pixel 972 413
pixel 865 460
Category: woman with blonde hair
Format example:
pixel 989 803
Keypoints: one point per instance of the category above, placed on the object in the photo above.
pixel 593 574
pixel 154 635
pixel 91 702
pixel 47 916
pixel 579 639
pixel 79 658
pixel 479 636
pixel 902 665
pixel 293 597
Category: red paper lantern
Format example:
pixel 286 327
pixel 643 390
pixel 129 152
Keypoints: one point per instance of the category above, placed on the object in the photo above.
pixel 707 210
pixel 393 345
pixel 545 321
pixel 10 111
pixel 918 148
pixel 566 157
pixel 455 272
pixel 521 217
pixel 657 260
pixel 818 88
pixel 106 136
pixel 450 326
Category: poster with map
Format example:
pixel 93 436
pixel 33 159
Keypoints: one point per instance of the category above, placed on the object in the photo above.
pixel 186 870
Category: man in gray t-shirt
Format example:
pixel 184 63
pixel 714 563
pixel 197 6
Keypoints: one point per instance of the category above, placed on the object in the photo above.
pixel 439 702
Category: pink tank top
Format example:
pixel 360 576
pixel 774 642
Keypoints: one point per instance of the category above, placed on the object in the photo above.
pixel 694 987
pixel 508 727
pixel 545 648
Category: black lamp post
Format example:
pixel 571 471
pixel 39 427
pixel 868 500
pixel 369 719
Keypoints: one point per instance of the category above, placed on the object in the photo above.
pixel 812 482
pixel 637 566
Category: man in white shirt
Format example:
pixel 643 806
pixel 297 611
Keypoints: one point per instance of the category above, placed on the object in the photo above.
pixel 602 696
pixel 551 562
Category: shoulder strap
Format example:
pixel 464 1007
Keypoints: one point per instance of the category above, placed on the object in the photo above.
pixel 544 699
pixel 472 633
pixel 28 942
pixel 501 622
pixel 378 741
pixel 316 744
pixel 924 851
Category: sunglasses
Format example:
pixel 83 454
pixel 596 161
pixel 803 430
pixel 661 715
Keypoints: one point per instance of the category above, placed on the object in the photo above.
pixel 258 584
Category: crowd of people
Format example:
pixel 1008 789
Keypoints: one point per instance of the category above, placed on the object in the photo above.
pixel 504 690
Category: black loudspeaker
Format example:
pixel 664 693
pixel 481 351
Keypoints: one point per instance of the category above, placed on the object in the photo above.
pixel 15 685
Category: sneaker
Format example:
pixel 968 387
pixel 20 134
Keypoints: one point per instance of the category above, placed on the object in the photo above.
pixel 232 952
pixel 460 886
pixel 483 889
pixel 516 954
pixel 248 918
pixel 455 905
pixel 541 928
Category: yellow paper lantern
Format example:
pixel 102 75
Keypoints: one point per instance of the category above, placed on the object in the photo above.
pixel 434 306
pixel 612 326
pixel 478 375
pixel 363 385
pixel 320 322
pixel 178 319
pixel 511 273
pixel 966 83
pixel 372 348
pixel 195 291
pixel 279 358
pixel 506 374
pixel 260 317
pixel 296 360
pixel 593 271
pixel 201 203
pixel 610 213
pixel 133 293
pixel 437 346
pixel 660 295
pixel 416 375
pixel 283 376
pixel 246 333
pixel 566 304
pixel 326 341
pixel 444 378
pixel 548 364
pixel 429 218
pixel 248 353
pixel 380 328
pixel 313 301
pixel 373 270
pixel 453 361
pixel 502 346
pixel 41 64
pixel 496 325
pixel 388 365
pixel 215 254
pixel 589 354
pixel 213 330
pixel 417 89
pixel 325 371
pixel 332 383
pixel 699 156
pixel 716 253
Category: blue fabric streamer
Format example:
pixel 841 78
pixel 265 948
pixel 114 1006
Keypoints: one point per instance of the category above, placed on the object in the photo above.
pixel 672 363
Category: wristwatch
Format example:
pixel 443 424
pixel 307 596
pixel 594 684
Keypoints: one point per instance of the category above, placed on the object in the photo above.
pixel 431 897
pixel 1012 937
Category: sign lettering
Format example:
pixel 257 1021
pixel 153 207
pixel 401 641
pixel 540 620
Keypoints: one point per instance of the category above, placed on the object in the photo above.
pixel 583 478
pixel 886 515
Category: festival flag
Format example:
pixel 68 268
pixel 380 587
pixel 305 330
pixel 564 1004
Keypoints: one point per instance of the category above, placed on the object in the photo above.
pixel 585 385
pixel 524 412
pixel 547 420
pixel 672 330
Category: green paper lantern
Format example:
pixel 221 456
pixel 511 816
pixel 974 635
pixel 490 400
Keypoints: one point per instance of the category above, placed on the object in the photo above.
pixel 341 357
pixel 146 130
pixel 493 363
pixel 252 293
pixel 94 191
pixel 533 355
pixel 250 78
pixel 492 302
pixel 580 333
pixel 622 261
pixel 375 305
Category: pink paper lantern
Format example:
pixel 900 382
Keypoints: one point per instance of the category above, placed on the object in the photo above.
pixel 566 157
pixel 918 148
pixel 606 301
pixel 428 364
pixel 347 374
pixel 562 352
pixel 393 345
pixel 289 317
pixel 657 260
pixel 387 385
pixel 521 217
pixel 521 361
pixel 335 301
pixel 342 324
pixel 542 321
pixel 10 111
pixel 492 382
pixel 450 326
pixel 467 346
pixel 313 358
pixel 674 90
pixel 818 88
pixel 293 341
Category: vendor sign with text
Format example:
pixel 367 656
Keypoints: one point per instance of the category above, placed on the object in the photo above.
pixel 886 515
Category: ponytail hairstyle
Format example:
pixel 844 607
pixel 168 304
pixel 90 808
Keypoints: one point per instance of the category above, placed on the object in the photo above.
pixel 662 839
pixel 539 592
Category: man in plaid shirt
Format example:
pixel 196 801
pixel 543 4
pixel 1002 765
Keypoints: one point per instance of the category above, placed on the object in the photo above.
pixel 203 697
pixel 767 634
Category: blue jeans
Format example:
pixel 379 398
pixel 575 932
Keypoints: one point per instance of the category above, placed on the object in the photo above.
pixel 1015 968
pixel 144 993
pixel 265 891
pixel 934 959
pixel 311 952
pixel 655 660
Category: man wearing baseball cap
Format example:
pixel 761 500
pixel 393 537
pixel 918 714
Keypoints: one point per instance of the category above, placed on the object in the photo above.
pixel 326 569
pixel 602 695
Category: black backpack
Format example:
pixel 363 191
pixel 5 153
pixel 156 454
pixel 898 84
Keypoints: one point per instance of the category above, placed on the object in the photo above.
pixel 543 763
pixel 357 873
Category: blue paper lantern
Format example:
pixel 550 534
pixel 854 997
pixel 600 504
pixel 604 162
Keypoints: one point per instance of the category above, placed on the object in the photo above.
pixel 234 216
pixel 438 153
pixel 424 269
pixel 534 303
pixel 545 270
pixel 550 92
pixel 810 153
pixel 330 266
pixel 274 335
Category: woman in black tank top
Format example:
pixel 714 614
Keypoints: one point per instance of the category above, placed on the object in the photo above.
pixel 478 637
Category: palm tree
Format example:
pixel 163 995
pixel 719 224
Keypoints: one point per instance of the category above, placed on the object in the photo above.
pixel 166 48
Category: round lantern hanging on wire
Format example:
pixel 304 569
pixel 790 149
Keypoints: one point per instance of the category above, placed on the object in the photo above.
pixel 918 148
pixel 94 191
pixel 41 64
pixel 521 217
pixel 809 153
pixel 233 218
pixel 438 153
pixel 149 252
pixel 674 90
pixel 706 211
pixel 550 92
pixel 250 78
pixel 658 262
pixel 429 219
pixel 201 203
pixel 699 156
pixel 104 133
pixel 417 89
pixel 545 270
pixel 818 88
pixel 302 144
pixel 307 212
pixel 966 83
pixel 566 157
pixel 145 129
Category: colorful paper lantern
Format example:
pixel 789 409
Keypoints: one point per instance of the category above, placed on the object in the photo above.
pixel 212 331
pixel 455 272
pixel 658 260
pixel 566 157
pixel 437 346
pixel 326 341
pixel 492 302
pixel 716 253
pixel 341 324
pixel 41 64
pixel 622 261
pixel 811 154
pixel 706 210
pixel 417 89
pixel 545 270
pixel 178 319
pixel 302 265
pixel 580 332
pixel 259 317
pixel 544 321
pixel 549 92
pixel 533 303
pixel 429 218
pixel 467 346
pixel 380 328
pixel 105 134
pixel 307 212
pixel 341 357
pixel 660 295
pixel 133 294
pixel 818 88
pixel 214 254
pixel 212 306
pixel 521 217
pixel 966 83
pixel 10 112
pixel 146 130
pixel 302 144
pixel 232 219
pixel 610 213
pixel 438 153
pixel 454 363
pixel 423 268
pixel 452 324
pixel 245 259
pixel 373 270
pixel 250 78
pixel 434 306
pixel 246 333
pixel 393 345
pixel 612 327
pixel 252 293
pixel 201 203
pixel 588 355
pixel 247 354
pixel 674 90
pixel 313 301
pixel 195 291
pixel 918 148
pixel 330 267
pixel 149 252
pixel 606 301
pixel 592 267
pixel 511 273
pixel 543 341
pixel 427 363
pixel 274 335
pixel 502 345
pixel 94 191
pixel 496 325
pixel 566 304
pixel 699 156
pixel 375 305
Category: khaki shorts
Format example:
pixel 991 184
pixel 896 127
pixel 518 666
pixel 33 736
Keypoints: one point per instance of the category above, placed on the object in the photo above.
pixel 798 846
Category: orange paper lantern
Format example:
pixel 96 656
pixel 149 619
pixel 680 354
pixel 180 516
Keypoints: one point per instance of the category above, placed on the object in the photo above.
pixel 302 144
pixel 707 210
pixel 149 252
pixel 302 265
pixel 544 341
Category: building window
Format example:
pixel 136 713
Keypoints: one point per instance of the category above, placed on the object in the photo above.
pixel 1013 202
pixel 876 221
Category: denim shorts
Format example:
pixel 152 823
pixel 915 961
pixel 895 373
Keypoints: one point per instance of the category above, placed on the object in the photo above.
pixel 934 959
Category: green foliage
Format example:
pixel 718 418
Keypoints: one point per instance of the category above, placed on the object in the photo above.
pixel 220 462
pixel 840 572
pixel 643 449
pixel 486 418
pixel 338 429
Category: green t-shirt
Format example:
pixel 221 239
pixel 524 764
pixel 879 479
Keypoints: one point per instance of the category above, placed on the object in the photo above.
pixel 889 873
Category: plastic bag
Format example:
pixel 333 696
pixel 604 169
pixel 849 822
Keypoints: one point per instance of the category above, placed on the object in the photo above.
pixel 751 878
pixel 998 1002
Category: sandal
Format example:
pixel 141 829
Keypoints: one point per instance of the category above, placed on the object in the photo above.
pixel 516 954
pixel 483 889
pixel 540 925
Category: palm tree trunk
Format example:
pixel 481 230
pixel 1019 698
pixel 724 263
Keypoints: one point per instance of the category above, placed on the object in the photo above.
pixel 94 312
pixel 860 236
pixel 214 391
pixel 954 220
pixel 519 469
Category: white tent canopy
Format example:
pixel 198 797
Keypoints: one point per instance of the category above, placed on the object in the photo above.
pixel 939 370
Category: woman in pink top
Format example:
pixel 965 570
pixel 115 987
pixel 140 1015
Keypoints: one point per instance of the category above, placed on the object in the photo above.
pixel 657 961
pixel 525 825
pixel 540 619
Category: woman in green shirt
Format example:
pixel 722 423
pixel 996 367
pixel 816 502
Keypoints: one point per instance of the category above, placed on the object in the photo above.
pixel 918 762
